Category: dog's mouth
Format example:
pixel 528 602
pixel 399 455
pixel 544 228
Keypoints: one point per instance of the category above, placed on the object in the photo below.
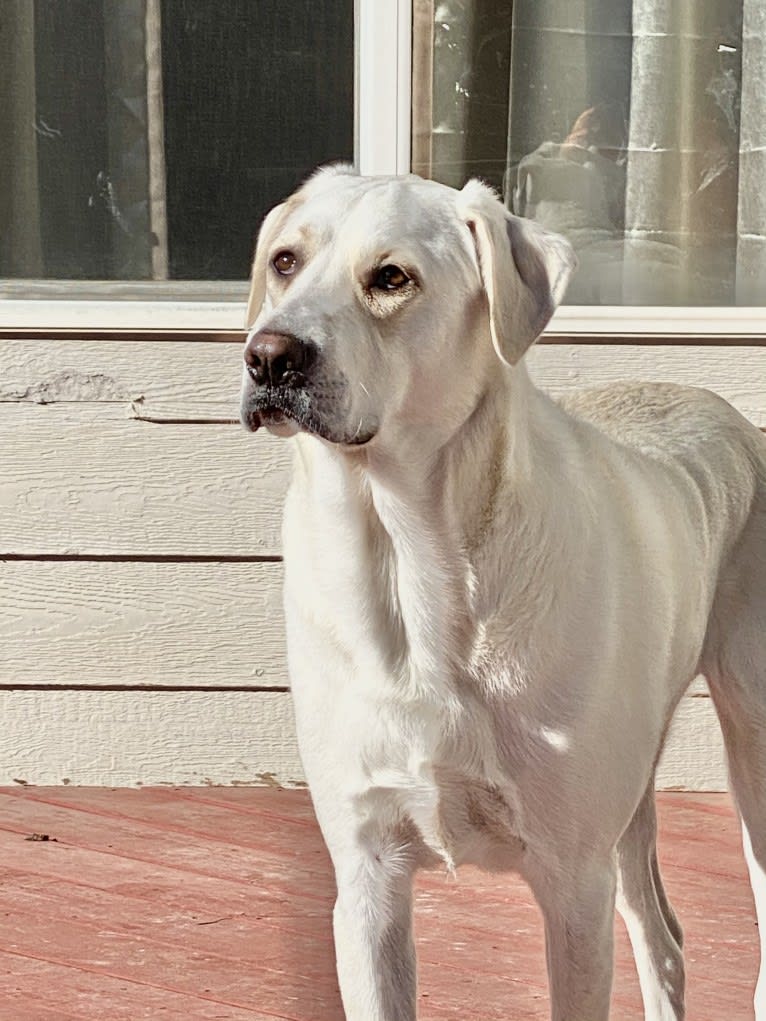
pixel 273 419
pixel 273 410
pixel 285 412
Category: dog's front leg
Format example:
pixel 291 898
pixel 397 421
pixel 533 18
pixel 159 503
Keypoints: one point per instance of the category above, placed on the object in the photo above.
pixel 374 945
pixel 579 922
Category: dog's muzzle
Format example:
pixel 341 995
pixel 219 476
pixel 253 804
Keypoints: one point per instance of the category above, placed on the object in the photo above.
pixel 288 388
pixel 279 366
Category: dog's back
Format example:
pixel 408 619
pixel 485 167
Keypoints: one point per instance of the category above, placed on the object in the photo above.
pixel 690 430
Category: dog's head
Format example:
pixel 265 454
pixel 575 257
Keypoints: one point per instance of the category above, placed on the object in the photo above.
pixel 375 304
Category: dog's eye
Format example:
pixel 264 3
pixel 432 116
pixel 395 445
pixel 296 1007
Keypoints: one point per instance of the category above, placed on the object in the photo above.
pixel 284 263
pixel 390 278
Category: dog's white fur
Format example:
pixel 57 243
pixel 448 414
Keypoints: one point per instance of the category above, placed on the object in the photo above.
pixel 495 605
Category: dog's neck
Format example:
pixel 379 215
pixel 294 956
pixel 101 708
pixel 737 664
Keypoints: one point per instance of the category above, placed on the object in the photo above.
pixel 451 482
pixel 422 518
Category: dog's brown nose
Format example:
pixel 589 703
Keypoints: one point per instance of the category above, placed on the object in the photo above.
pixel 278 359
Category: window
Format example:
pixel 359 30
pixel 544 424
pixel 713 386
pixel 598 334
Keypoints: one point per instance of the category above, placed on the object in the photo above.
pixel 148 137
pixel 635 127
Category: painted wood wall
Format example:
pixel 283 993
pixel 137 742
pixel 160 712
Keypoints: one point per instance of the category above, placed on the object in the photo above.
pixel 139 561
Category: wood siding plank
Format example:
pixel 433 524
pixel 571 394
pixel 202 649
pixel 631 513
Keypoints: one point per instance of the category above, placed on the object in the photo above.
pixel 693 758
pixel 126 739
pixel 128 624
pixel 85 476
pixel 197 380
pixel 84 479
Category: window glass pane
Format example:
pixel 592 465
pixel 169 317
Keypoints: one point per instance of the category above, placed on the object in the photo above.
pixel 635 127
pixel 145 139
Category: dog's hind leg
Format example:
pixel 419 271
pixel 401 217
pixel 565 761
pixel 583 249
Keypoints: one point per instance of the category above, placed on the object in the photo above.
pixel 744 732
pixel 734 663
pixel 655 934
pixel 577 902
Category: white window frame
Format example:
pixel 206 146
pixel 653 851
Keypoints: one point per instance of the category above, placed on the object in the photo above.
pixel 383 91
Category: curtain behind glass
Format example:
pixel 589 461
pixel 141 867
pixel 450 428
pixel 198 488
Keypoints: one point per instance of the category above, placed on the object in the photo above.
pixel 569 113
pixel 751 208
pixel 683 142
pixel 76 161
pixel 635 127
pixel 145 139
pixel 20 251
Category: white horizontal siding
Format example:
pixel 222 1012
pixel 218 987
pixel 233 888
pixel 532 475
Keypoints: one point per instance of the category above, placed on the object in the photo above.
pixel 123 461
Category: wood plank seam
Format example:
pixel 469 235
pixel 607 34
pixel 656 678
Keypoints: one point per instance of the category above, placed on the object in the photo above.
pixel 210 688
pixel 159 420
pixel 143 558
pixel 733 339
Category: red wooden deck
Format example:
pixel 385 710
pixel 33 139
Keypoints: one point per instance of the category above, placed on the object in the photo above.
pixel 215 903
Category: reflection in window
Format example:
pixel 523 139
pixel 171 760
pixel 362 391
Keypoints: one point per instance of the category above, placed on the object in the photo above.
pixel 145 139
pixel 635 127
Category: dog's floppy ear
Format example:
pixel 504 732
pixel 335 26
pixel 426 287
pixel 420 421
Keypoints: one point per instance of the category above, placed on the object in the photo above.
pixel 524 269
pixel 266 234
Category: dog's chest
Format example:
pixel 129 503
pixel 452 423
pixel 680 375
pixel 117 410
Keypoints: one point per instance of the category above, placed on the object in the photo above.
pixel 462 813
pixel 475 822
pixel 374 638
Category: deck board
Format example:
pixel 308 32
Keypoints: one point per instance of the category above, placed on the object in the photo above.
pixel 216 902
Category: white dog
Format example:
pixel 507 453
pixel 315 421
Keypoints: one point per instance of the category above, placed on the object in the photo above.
pixel 494 602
